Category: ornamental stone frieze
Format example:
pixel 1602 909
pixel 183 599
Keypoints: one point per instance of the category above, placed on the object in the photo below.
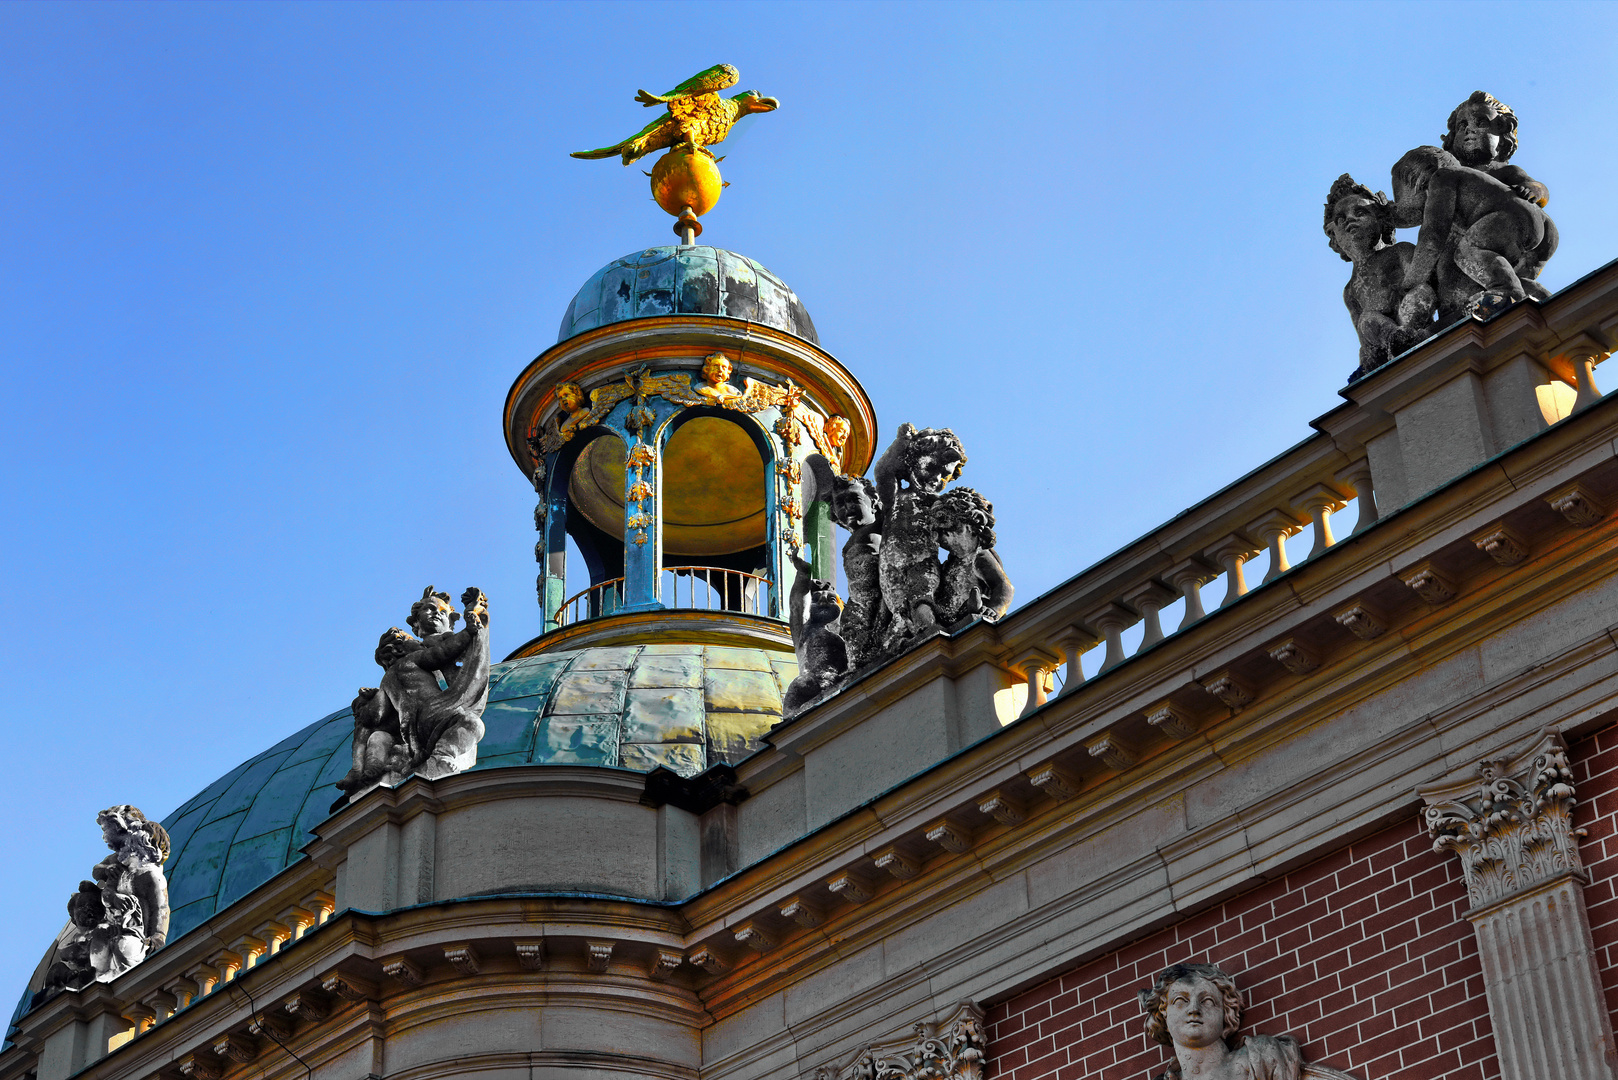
pixel 1511 825
pixel 951 1049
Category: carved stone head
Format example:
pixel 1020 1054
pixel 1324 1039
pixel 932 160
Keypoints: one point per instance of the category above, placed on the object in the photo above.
pixel 933 458
pixel 1358 220
pixel 1176 1006
pixel 432 614
pixel 394 644
pixel 1482 129
pixel 965 522
pixel 854 502
pixel 128 832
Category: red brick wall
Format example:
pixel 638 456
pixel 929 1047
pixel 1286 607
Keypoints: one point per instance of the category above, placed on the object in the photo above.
pixel 1595 778
pixel 1363 956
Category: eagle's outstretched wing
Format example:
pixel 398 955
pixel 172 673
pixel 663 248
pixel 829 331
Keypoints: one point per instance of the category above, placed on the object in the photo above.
pixel 711 81
pixel 608 151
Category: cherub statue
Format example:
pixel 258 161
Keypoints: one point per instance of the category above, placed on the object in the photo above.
pixel 121 916
pixel 1195 1009
pixel 1482 241
pixel 855 507
pixel 716 388
pixel 1483 135
pixel 974 582
pixel 909 476
pixel 813 614
pixel 1388 317
pixel 427 716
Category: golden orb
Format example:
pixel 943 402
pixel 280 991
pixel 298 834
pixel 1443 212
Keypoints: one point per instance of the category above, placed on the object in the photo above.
pixel 682 178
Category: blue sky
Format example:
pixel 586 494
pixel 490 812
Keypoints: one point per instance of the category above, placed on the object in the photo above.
pixel 268 271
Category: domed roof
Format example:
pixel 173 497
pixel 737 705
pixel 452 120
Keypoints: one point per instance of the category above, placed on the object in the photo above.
pixel 631 707
pixel 686 281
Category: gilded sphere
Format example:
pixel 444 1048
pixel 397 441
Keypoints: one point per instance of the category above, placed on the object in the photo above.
pixel 681 179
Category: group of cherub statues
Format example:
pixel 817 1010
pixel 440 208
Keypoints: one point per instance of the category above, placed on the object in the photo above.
pixel 1483 238
pixel 121 915
pixel 898 591
pixel 426 717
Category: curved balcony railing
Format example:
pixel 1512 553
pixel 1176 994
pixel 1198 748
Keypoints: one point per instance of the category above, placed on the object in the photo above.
pixel 698 588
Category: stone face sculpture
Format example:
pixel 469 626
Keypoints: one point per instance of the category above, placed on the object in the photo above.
pixel 123 914
pixel 1195 1009
pixel 1388 317
pixel 427 716
pixel 1483 238
pixel 814 609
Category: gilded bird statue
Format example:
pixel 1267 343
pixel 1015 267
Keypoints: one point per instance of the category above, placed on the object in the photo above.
pixel 697 116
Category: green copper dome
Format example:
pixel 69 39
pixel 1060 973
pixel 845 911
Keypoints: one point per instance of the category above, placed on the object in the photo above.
pixel 629 707
pixel 692 280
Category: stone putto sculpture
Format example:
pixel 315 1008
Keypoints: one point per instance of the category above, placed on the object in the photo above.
pixel 1388 317
pixel 1483 236
pixel 121 916
pixel 1195 1009
pixel 426 718
pixel 910 474
pixel 822 656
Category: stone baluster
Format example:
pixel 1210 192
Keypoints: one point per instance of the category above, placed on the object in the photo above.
pixel 1034 665
pixel 1584 353
pixel 205 977
pixel 275 935
pixel 1319 502
pixel 1275 527
pixel 183 991
pixel 1358 477
pixel 322 903
pixel 298 919
pixel 1074 644
pixel 1112 620
pixel 1150 599
pixel 162 1003
pixel 1232 553
pixel 1511 824
pixel 1189 576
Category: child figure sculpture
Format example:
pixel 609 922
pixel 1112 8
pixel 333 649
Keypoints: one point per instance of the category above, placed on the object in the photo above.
pixel 427 716
pixel 1388 317
pixel 822 656
pixel 974 582
pixel 1479 241
pixel 909 477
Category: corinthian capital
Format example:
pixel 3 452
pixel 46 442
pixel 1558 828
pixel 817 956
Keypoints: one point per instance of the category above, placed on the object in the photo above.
pixel 1511 824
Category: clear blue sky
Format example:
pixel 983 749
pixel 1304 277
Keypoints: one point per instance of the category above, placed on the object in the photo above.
pixel 269 270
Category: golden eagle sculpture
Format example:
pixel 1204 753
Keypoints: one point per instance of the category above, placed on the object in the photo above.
pixel 696 118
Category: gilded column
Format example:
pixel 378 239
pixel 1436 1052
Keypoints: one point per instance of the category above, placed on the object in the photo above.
pixel 1511 825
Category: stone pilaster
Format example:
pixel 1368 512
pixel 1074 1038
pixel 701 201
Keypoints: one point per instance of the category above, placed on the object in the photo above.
pixel 1511 825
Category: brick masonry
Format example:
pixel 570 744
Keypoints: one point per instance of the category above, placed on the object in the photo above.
pixel 1595 778
pixel 1363 956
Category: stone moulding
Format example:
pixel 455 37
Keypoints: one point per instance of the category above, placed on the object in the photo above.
pixel 951 1049
pixel 1512 826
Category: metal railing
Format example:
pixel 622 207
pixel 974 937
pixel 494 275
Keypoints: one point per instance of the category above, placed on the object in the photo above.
pixel 701 588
